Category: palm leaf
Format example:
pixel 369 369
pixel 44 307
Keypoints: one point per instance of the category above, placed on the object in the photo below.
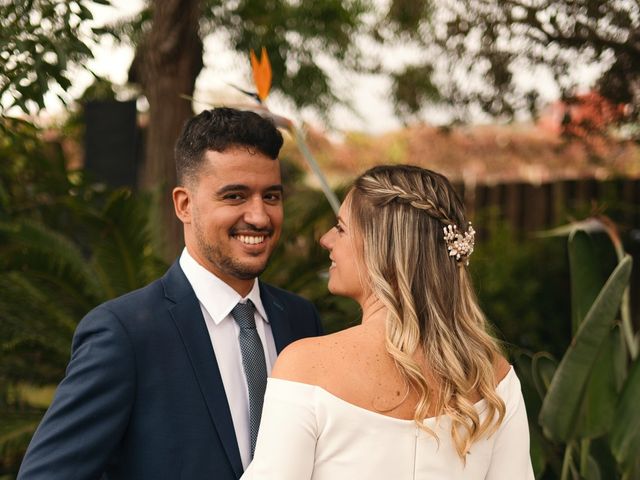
pixel 121 248
pixel 563 403
pixel 35 332
pixel 44 253
pixel 16 431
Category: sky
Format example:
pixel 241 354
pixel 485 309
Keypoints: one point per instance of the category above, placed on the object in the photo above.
pixel 369 93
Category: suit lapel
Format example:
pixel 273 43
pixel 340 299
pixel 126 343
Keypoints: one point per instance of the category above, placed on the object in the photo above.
pixel 280 324
pixel 189 321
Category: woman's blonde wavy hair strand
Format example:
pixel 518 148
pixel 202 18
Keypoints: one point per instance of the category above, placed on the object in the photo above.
pixel 400 212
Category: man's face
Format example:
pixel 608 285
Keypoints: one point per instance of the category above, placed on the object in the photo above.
pixel 232 211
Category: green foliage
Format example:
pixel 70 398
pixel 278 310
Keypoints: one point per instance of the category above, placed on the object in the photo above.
pixel 524 307
pixel 414 88
pixel 466 51
pixel 407 16
pixel 65 246
pixel 563 403
pixel 16 430
pixel 546 457
pixel 587 277
pixel 472 53
pixel 40 40
pixel 32 177
pixel 301 38
pixel 588 407
pixel 625 433
pixel 296 34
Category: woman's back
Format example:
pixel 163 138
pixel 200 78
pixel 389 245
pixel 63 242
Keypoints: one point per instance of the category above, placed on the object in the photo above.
pixel 352 365
pixel 343 411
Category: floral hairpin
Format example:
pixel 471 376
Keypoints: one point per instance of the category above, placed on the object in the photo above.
pixel 459 245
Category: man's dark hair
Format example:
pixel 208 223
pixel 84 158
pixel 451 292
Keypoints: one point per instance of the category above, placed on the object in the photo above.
pixel 218 130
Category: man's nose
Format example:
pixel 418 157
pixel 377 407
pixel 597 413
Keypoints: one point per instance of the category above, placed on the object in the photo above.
pixel 256 213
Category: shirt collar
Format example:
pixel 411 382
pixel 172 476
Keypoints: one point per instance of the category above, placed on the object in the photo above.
pixel 216 296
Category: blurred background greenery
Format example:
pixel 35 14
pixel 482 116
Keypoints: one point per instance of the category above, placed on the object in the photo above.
pixel 68 243
pixel 564 301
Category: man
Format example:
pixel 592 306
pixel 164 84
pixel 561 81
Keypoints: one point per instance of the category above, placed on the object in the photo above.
pixel 167 382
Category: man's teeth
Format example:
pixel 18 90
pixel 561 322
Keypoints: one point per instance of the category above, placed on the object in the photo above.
pixel 250 240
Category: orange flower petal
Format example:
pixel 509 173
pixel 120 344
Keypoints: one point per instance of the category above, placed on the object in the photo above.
pixel 261 73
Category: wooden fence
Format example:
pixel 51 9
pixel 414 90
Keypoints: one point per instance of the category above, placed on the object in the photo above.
pixel 527 207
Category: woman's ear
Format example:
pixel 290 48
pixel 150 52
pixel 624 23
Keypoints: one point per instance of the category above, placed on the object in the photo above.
pixel 182 204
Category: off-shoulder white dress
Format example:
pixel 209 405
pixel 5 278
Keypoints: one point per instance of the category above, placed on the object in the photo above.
pixel 308 433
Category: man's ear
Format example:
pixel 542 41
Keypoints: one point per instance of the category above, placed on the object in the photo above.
pixel 182 204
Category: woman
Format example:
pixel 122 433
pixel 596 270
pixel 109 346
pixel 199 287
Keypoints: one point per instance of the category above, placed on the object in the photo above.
pixel 418 390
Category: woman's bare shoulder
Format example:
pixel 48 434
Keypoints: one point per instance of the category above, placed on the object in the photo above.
pixel 307 360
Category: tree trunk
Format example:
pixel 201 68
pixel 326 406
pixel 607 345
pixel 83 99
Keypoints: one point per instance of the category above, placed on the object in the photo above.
pixel 167 64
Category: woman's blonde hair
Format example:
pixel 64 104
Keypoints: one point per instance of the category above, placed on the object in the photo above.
pixel 401 211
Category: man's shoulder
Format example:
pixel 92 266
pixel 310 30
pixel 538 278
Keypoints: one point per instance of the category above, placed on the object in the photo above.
pixel 150 294
pixel 279 294
pixel 139 306
pixel 302 315
pixel 173 286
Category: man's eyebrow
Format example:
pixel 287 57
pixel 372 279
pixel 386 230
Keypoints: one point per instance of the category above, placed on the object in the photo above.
pixel 232 188
pixel 238 187
pixel 277 187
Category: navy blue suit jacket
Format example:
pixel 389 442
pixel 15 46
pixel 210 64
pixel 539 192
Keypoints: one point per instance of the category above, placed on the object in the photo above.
pixel 142 397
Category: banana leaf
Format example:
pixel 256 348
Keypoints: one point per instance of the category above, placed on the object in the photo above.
pixel 543 366
pixel 593 470
pixel 601 392
pixel 625 433
pixel 544 456
pixel 563 404
pixel 586 277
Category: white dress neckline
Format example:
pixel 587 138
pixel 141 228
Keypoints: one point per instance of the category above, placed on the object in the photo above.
pixel 336 399
pixel 308 433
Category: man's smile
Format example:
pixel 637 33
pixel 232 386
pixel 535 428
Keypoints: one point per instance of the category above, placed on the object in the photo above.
pixel 250 239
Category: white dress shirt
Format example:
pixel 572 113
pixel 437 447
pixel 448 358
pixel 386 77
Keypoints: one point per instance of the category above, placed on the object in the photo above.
pixel 217 299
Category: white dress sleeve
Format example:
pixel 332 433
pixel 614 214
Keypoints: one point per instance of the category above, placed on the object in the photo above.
pixel 511 457
pixel 285 448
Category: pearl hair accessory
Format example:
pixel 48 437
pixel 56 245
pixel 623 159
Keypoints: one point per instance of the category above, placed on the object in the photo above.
pixel 459 245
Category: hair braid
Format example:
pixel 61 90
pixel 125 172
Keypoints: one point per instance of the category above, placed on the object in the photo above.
pixel 388 192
